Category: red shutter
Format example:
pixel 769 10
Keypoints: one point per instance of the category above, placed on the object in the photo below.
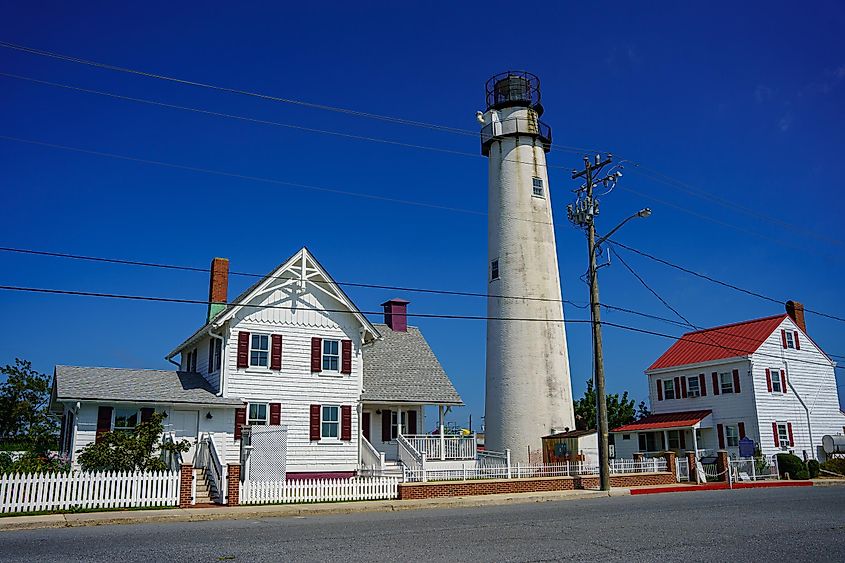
pixel 103 421
pixel 346 356
pixel 795 336
pixel 365 425
pixel 314 422
pixel 702 385
pixel 783 381
pixel 684 387
pixel 243 349
pixel 240 421
pixel 677 387
pixel 659 390
pixel 276 352
pixel 741 427
pixel 789 431
pixel 316 354
pixel 682 439
pixel 411 420
pixel 715 383
pixel 775 432
pixel 385 425
pixel 275 414
pixel 736 380
pixel 769 380
pixel 147 414
pixel 783 338
pixel 720 430
pixel 346 423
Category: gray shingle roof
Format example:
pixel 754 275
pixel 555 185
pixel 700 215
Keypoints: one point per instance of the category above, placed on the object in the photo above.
pixel 136 385
pixel 400 367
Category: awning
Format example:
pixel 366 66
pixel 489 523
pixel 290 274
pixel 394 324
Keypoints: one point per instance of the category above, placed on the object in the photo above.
pixel 666 421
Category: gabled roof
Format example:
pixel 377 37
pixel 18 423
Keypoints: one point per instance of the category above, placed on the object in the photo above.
pixel 76 383
pixel 312 268
pixel 664 420
pixel 718 343
pixel 572 434
pixel 401 367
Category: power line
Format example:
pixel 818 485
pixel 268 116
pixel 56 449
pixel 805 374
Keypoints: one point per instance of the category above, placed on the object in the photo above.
pixel 716 281
pixel 144 298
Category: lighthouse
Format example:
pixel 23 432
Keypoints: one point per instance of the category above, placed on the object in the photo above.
pixel 528 392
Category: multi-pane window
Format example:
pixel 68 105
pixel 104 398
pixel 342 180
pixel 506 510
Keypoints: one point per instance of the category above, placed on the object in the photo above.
pixel 125 420
pixel 331 355
pixel 626 436
pixel 731 436
pixel 649 441
pixel 494 269
pixel 790 340
pixel 669 389
pixel 397 423
pixel 257 414
pixel 259 350
pixel 191 361
pixel 783 436
pixel 537 187
pixel 216 354
pixel 674 439
pixel 693 389
pixel 726 381
pixel 775 375
pixel 330 422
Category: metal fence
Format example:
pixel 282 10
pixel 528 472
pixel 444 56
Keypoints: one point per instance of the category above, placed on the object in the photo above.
pixel 750 469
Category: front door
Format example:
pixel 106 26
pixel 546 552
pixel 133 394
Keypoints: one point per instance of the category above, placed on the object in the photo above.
pixel 186 424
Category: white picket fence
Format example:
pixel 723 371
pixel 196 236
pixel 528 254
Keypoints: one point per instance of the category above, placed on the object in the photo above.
pixel 319 490
pixel 66 491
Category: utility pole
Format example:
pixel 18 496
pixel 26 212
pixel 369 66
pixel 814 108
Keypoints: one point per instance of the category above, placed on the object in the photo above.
pixel 582 213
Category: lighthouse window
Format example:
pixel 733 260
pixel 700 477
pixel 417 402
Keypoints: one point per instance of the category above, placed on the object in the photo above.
pixel 494 270
pixel 538 187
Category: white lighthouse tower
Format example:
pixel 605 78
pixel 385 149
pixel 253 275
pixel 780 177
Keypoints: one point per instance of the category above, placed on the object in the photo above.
pixel 529 393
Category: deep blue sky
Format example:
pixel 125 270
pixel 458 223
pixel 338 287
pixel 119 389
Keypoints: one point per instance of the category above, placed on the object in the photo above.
pixel 740 101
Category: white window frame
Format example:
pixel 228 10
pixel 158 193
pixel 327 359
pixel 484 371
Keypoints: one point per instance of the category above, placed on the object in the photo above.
pixel 783 438
pixel 538 184
pixel 790 339
pixel 722 389
pixel 494 269
pixel 216 355
pixel 136 412
pixel 776 381
pixel 669 385
pixel 252 349
pixel 674 438
pixel 329 356
pixel 257 421
pixel 397 419
pixel 693 392
pixel 626 436
pixel 327 421
pixel 732 435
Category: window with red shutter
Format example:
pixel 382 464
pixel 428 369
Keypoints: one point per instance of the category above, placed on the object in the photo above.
pixel 769 380
pixel 684 387
pixel 275 414
pixel 741 426
pixel 240 421
pixel 783 381
pixel 721 431
pixel 314 422
pixel 243 349
pixel 659 390
pixel 316 354
pixel 783 338
pixel 411 422
pixel 789 431
pixel 346 357
pixel 346 423
pixel 775 433
pixel 715 382
pixel 797 344
pixel 386 424
pixel 103 421
pixel 702 385
pixel 276 353
pixel 736 380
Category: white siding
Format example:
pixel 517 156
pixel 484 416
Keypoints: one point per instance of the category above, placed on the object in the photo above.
pixel 812 375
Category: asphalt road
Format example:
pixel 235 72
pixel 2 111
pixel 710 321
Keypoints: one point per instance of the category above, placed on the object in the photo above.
pixel 791 524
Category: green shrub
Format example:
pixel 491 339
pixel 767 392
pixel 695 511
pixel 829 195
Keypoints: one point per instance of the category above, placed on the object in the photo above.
pixel 813 468
pixel 792 464
pixel 836 465
pixel 802 475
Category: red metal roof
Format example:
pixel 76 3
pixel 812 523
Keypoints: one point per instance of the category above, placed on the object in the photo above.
pixel 728 341
pixel 665 420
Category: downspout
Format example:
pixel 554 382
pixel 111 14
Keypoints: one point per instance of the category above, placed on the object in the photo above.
pixel 177 364
pixel 222 361
pixel 807 410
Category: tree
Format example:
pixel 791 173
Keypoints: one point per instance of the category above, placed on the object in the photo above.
pixel 24 402
pixel 620 410
pixel 138 450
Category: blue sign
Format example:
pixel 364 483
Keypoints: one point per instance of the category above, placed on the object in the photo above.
pixel 746 447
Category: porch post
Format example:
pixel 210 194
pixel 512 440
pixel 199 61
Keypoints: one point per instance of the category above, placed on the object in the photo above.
pixel 442 433
pixel 694 442
pixel 665 440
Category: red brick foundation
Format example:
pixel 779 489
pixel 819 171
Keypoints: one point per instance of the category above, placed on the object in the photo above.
pixel 233 495
pixel 722 465
pixel 186 485
pixel 691 461
pixel 533 485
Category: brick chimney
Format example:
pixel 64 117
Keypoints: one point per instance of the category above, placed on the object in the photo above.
pixel 396 314
pixel 218 286
pixel 795 310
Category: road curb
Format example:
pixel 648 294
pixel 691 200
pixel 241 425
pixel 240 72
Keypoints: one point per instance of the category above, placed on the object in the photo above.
pixel 13 523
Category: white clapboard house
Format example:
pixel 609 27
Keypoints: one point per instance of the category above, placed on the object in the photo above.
pixel 763 379
pixel 290 368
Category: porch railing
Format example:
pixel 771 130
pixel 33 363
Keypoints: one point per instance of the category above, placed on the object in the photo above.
pixel 411 458
pixel 371 459
pixel 173 459
pixel 443 447
pixel 208 459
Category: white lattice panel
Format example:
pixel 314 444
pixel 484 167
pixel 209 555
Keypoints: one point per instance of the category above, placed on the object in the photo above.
pixel 269 452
